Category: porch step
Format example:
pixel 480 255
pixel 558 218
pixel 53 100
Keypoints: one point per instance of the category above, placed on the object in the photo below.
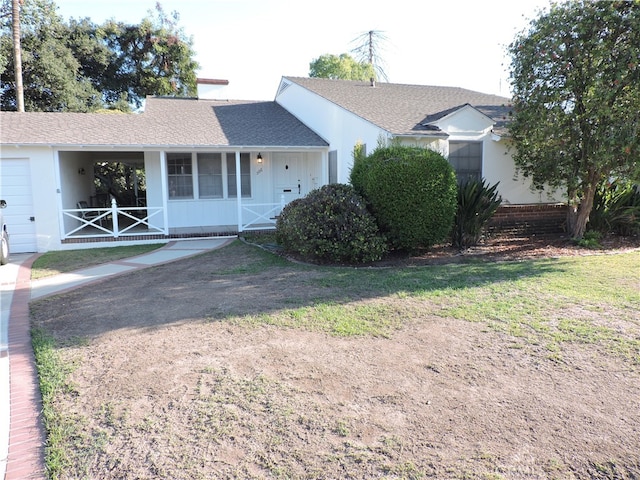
pixel 133 238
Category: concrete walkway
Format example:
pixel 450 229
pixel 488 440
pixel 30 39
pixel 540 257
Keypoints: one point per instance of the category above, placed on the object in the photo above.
pixel 21 431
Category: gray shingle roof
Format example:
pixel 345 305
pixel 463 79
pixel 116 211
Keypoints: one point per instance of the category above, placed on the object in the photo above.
pixel 405 109
pixel 167 122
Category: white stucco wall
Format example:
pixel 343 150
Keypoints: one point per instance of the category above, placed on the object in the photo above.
pixel 514 187
pixel 341 128
pixel 468 124
pixel 498 166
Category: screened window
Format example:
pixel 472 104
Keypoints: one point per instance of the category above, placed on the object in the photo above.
pixel 466 160
pixel 333 166
pixel 210 175
pixel 245 175
pixel 180 173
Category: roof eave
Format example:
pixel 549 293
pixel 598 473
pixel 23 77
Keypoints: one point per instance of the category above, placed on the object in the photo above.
pixel 435 136
pixel 163 146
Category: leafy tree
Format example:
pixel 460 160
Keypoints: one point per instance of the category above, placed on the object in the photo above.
pixel 152 58
pixel 342 67
pixel 52 79
pixel 81 66
pixel 576 82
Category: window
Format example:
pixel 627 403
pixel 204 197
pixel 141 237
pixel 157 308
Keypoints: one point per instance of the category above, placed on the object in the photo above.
pixel 211 170
pixel 466 160
pixel 210 175
pixel 245 175
pixel 333 166
pixel 180 175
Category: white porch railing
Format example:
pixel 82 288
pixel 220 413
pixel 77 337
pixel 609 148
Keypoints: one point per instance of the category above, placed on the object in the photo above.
pixel 259 216
pixel 114 222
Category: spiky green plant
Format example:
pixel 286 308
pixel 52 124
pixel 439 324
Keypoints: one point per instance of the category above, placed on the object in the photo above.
pixel 477 202
pixel 616 209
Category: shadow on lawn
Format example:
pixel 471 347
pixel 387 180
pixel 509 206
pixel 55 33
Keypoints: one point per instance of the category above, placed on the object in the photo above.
pixel 240 280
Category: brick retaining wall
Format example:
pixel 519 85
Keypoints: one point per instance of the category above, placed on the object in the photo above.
pixel 529 219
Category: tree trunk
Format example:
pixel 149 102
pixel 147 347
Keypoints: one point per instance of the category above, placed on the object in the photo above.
pixel 579 211
pixel 17 54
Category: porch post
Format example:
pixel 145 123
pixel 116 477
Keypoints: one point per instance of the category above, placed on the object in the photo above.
pixel 238 191
pixel 165 192
pixel 56 172
pixel 114 217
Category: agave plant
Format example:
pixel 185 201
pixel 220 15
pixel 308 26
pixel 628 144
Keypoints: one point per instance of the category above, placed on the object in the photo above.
pixel 477 202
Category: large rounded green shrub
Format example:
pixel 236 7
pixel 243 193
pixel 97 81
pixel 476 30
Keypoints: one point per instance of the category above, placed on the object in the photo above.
pixel 331 224
pixel 411 191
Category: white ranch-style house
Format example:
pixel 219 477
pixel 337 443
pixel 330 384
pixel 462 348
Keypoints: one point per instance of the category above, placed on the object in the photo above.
pixel 221 167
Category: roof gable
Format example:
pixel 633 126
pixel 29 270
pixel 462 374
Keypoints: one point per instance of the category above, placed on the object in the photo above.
pixel 404 109
pixel 464 118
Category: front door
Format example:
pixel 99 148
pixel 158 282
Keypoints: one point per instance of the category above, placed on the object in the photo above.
pixel 289 180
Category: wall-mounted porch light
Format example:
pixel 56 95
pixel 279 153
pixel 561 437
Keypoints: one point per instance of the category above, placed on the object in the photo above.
pixel 259 158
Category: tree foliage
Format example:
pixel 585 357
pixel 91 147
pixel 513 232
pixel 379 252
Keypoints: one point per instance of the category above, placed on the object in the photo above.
pixel 52 80
pixel 81 66
pixel 342 67
pixel 575 75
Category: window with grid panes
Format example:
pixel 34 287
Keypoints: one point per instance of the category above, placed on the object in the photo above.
pixel 210 175
pixel 466 160
pixel 180 175
pixel 245 175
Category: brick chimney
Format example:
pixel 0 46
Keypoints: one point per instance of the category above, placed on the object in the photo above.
pixel 211 88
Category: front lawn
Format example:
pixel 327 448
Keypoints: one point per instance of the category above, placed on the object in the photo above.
pixel 239 364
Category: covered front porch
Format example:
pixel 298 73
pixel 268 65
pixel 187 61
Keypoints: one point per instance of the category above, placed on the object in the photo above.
pixel 156 195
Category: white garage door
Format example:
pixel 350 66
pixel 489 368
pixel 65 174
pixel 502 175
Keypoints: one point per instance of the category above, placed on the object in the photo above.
pixel 15 188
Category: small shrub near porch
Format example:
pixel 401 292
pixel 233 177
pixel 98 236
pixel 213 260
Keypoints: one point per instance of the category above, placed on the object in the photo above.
pixel 331 224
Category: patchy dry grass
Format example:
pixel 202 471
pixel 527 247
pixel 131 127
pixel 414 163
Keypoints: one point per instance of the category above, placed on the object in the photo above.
pixel 239 364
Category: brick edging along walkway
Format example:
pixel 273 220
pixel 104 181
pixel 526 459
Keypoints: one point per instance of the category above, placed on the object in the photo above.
pixel 26 432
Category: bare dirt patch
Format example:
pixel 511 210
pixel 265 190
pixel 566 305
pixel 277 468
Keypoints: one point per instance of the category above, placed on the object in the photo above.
pixel 168 385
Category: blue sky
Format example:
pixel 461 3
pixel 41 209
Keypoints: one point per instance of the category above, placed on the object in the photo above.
pixel 253 43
